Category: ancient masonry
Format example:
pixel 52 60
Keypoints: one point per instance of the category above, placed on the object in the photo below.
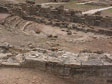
pixel 61 14
pixel 61 17
pixel 85 67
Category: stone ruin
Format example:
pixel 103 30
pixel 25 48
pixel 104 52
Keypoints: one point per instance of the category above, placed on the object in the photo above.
pixel 62 14
pixel 61 17
pixel 84 67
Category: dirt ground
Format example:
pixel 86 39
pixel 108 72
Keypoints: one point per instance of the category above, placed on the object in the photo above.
pixel 28 76
pixel 74 43
pixel 107 13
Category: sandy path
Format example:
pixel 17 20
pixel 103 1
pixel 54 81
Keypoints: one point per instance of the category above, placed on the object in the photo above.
pixel 51 3
pixel 96 10
pixel 84 3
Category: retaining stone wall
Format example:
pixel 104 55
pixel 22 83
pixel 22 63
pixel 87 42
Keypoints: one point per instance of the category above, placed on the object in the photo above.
pixel 79 74
pixel 60 14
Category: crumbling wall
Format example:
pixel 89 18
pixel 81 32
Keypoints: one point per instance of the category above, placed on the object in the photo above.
pixel 85 67
pixel 61 14
pixel 61 17
pixel 74 16
pixel 68 15
pixel 79 74
pixel 3 9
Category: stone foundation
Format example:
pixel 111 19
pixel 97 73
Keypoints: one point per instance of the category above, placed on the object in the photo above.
pixel 60 14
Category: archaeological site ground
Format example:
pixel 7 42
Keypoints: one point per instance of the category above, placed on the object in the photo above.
pixel 55 41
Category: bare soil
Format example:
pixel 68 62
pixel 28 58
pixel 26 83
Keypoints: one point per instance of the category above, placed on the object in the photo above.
pixel 28 76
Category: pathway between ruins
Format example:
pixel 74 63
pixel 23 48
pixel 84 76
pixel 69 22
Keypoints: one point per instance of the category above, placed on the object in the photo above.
pixel 51 3
pixel 84 3
pixel 96 10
